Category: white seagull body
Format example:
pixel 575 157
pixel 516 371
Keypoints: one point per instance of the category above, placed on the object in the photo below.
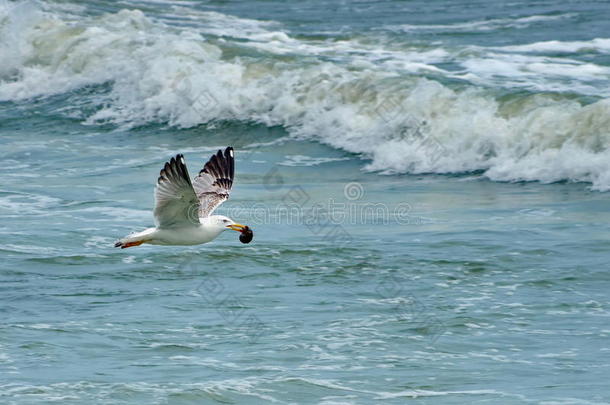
pixel 183 208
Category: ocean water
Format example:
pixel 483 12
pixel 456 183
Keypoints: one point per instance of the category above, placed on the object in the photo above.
pixel 427 183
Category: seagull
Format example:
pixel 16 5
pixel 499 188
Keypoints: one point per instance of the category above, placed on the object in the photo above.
pixel 183 208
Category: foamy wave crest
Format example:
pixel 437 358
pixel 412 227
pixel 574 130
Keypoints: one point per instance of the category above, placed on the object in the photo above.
pixel 398 120
pixel 601 45
pixel 487 25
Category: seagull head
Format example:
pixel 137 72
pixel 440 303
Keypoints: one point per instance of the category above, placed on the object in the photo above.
pixel 225 223
pixel 220 223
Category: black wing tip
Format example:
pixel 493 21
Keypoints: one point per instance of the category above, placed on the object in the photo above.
pixel 178 161
pixel 221 164
pixel 175 167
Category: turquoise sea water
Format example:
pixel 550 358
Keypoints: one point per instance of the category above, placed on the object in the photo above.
pixel 427 183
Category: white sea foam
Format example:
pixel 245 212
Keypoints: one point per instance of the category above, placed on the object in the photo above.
pixel 301 160
pixel 369 101
pixel 601 45
pixel 534 72
pixel 486 25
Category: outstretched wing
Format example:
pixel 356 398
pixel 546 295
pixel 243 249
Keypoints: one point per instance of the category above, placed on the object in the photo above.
pixel 213 183
pixel 176 204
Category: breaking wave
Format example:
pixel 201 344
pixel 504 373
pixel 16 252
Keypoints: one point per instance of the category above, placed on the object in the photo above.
pixel 397 106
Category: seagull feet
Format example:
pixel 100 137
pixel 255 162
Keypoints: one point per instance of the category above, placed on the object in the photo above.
pixel 128 244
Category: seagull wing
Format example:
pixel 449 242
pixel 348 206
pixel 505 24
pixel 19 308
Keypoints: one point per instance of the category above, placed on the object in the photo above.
pixel 176 204
pixel 213 183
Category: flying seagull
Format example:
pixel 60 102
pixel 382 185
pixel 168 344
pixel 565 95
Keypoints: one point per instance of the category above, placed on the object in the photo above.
pixel 183 208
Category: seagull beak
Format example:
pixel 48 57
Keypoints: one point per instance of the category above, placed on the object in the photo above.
pixel 236 227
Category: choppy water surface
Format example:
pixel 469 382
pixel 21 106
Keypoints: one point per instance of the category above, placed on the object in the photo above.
pixel 426 182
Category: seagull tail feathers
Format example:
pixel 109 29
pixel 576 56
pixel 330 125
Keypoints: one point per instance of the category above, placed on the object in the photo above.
pixel 134 239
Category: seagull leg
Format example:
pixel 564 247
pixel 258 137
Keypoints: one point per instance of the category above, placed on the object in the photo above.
pixel 129 244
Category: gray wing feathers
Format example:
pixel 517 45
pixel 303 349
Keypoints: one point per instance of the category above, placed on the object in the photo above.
pixel 213 183
pixel 176 203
